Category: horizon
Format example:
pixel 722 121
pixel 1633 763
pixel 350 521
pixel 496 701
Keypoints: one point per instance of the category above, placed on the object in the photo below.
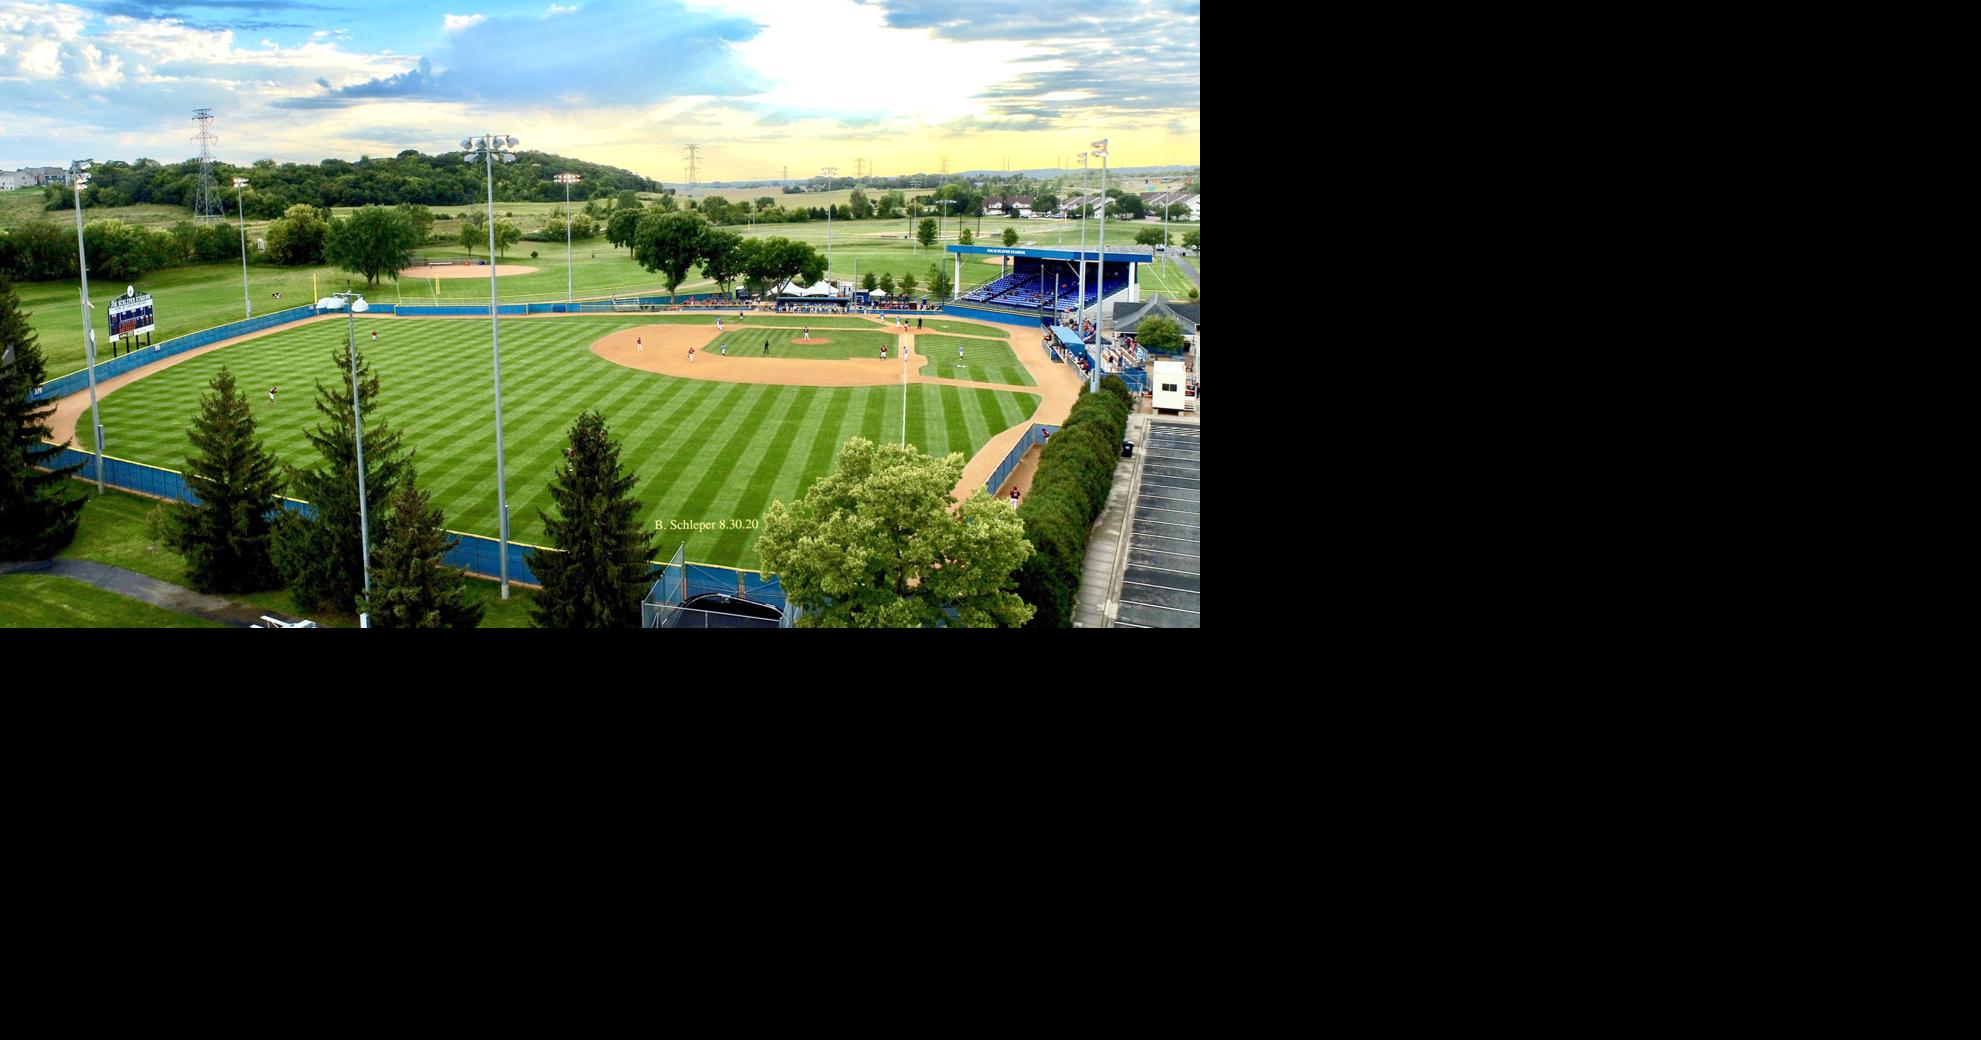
pixel 758 86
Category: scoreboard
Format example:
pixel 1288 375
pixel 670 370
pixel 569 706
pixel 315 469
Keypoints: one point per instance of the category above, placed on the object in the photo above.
pixel 130 316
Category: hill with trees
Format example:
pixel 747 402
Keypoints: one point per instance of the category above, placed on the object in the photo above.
pixel 409 177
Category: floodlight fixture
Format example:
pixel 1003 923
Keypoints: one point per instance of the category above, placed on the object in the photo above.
pixel 79 176
pixel 356 305
pixel 240 182
pixel 486 148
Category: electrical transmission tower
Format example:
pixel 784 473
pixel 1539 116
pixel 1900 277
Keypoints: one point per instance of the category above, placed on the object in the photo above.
pixel 859 167
pixel 694 161
pixel 207 206
pixel 945 166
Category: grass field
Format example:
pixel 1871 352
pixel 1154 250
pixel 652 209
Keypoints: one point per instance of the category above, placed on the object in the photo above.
pixel 112 531
pixel 47 601
pixel 984 360
pixel 190 299
pixel 704 451
pixel 845 344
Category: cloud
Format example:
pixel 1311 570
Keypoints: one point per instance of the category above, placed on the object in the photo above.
pixel 324 83
pixel 457 22
pixel 480 60
pixel 557 9
pixel 417 82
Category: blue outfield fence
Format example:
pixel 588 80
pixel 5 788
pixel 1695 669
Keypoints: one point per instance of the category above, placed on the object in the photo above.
pixel 1032 438
pixel 78 381
pixel 475 553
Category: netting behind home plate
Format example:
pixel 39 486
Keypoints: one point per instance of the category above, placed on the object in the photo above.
pixel 692 595
pixel 663 603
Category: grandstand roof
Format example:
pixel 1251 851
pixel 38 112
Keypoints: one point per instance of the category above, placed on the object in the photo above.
pixel 1131 255
pixel 1126 317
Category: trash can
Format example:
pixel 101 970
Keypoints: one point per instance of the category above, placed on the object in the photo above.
pixel 1127 449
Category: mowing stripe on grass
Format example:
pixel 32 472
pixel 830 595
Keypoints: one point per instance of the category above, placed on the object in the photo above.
pixel 437 390
pixel 840 423
pixel 796 426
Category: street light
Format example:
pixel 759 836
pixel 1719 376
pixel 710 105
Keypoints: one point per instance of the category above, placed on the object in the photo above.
pixel 487 147
pixel 354 304
pixel 79 176
pixel 938 234
pixel 567 179
pixel 247 304
pixel 1100 316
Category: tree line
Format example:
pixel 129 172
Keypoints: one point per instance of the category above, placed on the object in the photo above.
pixel 410 177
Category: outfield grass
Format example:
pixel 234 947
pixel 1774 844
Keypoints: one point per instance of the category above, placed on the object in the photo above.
pixel 964 327
pixel 704 451
pixel 984 360
pixel 189 299
pixel 48 601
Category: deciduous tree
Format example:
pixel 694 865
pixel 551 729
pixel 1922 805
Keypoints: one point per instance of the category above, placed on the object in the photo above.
pixel 374 242
pixel 875 545
pixel 669 243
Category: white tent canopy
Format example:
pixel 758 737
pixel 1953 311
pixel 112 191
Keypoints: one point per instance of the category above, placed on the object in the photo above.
pixel 879 292
pixel 791 288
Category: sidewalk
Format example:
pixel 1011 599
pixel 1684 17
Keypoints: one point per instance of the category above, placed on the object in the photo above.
pixel 144 588
pixel 1093 603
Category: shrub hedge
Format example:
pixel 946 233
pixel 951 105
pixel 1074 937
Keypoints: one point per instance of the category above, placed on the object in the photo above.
pixel 1076 471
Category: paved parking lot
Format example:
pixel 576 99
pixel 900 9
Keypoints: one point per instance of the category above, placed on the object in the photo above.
pixel 1160 587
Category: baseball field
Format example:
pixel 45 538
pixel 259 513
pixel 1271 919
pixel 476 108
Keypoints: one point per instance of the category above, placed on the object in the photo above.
pixel 713 441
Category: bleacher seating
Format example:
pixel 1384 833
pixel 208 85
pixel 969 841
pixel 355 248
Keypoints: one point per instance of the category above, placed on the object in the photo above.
pixel 986 293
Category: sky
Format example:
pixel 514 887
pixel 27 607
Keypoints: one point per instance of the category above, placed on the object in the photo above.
pixel 758 85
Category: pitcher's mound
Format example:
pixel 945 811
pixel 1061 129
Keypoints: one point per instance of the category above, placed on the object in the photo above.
pixel 466 271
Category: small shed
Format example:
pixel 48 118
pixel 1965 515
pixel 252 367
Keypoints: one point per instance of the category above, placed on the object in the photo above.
pixel 1169 382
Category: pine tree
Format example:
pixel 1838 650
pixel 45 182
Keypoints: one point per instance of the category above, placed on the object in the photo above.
pixel 410 586
pixel 225 537
pixel 318 555
pixel 38 514
pixel 600 572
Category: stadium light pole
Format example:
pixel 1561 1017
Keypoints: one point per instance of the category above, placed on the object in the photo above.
pixel 79 176
pixel 247 302
pixel 1100 316
pixel 827 172
pixel 354 304
pixel 1080 312
pixel 487 148
pixel 567 179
